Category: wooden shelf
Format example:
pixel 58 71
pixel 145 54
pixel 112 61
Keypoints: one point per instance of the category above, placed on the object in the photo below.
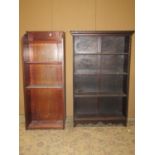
pixel 99 118
pixel 99 73
pixel 80 95
pixel 52 63
pixel 44 86
pixel 104 53
pixel 114 73
pixel 46 124
pixel 44 42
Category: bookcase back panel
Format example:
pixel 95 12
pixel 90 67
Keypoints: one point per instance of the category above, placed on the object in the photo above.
pixel 45 36
pixel 86 83
pixel 113 84
pixel 86 44
pixel 86 106
pixel 114 63
pixel 45 52
pixel 45 74
pixel 86 64
pixel 113 44
pixel 100 106
pixel 111 106
pixel 46 104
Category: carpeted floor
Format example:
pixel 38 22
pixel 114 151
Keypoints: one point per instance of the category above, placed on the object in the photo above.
pixel 81 140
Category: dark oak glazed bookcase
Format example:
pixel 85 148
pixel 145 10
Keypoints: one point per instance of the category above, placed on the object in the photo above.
pixel 44 79
pixel 101 76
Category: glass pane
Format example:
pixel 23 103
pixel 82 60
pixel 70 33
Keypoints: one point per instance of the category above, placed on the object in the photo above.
pixel 114 63
pixel 111 106
pixel 113 84
pixel 113 44
pixel 86 84
pixel 85 106
pixel 86 64
pixel 86 44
